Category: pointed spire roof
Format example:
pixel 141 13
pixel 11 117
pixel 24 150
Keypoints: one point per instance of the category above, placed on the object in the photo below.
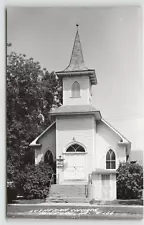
pixel 76 65
pixel 77 60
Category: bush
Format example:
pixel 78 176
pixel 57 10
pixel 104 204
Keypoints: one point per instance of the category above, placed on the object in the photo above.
pixel 129 181
pixel 11 192
pixel 34 181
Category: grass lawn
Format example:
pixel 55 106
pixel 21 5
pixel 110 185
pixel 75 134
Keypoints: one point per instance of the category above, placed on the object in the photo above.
pixel 118 202
pixel 92 202
pixel 28 201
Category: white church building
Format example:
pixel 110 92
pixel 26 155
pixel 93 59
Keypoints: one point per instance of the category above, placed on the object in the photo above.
pixel 87 149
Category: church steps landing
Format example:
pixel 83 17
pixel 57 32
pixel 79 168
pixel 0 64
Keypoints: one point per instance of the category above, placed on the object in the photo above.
pixel 68 200
pixel 67 193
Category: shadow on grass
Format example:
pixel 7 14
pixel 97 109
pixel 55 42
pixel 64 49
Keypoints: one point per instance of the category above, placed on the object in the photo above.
pixel 118 202
pixel 27 201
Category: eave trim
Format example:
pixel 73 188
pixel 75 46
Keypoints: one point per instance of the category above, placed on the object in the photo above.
pixel 34 142
pixel 124 140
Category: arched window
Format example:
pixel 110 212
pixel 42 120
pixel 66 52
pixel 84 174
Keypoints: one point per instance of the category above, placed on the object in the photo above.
pixel 48 157
pixel 75 90
pixel 110 160
pixel 75 148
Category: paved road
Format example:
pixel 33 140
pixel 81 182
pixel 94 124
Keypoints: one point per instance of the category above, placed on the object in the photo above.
pixel 72 211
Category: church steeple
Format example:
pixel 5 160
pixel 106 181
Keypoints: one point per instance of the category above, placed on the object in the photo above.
pixel 77 60
pixel 76 66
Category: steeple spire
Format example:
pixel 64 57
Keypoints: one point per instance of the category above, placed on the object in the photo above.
pixel 77 60
pixel 76 66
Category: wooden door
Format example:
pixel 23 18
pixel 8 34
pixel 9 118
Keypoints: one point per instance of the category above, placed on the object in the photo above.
pixel 75 167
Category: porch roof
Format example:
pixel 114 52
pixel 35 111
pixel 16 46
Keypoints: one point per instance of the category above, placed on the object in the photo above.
pixel 76 109
pixel 104 171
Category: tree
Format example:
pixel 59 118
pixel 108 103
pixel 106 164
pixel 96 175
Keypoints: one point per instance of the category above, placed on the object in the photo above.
pixel 129 181
pixel 31 93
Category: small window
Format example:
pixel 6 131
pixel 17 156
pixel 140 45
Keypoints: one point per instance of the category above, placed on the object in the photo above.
pixel 110 160
pixel 75 148
pixel 75 90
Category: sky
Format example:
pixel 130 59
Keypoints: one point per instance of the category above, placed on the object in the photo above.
pixel 111 41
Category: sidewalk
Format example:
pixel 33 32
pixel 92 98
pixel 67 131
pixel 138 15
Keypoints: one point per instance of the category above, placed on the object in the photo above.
pixel 74 211
pixel 76 204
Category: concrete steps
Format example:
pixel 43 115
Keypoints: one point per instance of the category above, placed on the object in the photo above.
pixel 67 193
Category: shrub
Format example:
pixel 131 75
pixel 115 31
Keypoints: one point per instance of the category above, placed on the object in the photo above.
pixel 11 192
pixel 34 181
pixel 129 181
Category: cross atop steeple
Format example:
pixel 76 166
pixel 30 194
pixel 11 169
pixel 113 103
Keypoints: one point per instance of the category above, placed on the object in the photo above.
pixel 77 60
pixel 77 25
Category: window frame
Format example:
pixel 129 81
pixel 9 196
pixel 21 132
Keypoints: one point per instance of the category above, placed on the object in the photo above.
pixel 75 148
pixel 110 162
pixel 75 90
pixel 47 156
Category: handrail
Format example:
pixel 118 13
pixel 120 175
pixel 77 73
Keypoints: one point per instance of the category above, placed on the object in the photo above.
pixel 86 186
pixel 89 179
pixel 86 191
pixel 52 181
pixel 54 178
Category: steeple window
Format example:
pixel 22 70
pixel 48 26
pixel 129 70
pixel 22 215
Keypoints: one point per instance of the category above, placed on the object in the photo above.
pixel 75 90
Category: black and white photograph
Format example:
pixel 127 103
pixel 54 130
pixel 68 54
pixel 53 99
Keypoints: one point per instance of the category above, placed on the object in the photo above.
pixel 74 113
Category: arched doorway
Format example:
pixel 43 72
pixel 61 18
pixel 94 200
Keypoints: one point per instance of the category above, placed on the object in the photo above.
pixel 75 162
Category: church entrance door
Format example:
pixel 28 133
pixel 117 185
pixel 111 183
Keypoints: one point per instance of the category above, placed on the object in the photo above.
pixel 75 163
pixel 75 167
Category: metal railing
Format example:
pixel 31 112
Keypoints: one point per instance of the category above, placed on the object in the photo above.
pixel 89 179
pixel 89 183
pixel 86 191
pixel 53 180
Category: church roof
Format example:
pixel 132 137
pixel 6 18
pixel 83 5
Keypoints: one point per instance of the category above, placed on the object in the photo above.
pixel 79 110
pixel 116 131
pixel 34 142
pixel 75 109
pixel 124 140
pixel 77 65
